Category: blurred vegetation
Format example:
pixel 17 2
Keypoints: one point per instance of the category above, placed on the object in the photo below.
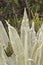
pixel 37 21
pixel 13 10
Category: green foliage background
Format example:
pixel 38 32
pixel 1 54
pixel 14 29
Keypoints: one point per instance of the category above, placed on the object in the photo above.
pixel 13 10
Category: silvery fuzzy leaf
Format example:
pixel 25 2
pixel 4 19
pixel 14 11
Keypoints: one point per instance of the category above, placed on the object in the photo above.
pixel 15 40
pixel 17 45
pixel 3 35
pixel 2 58
pixel 24 26
pixel 3 38
pixel 25 21
pixel 38 33
pixel 27 46
pixel 4 42
pixel 33 34
pixel 39 55
pixel 11 60
pixel 40 37
pixel 36 46
pixel 26 36
pixel 20 60
pixel 31 62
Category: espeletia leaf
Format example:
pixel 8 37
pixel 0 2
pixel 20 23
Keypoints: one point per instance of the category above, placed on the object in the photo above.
pixel 11 60
pixel 24 26
pixel 2 58
pixel 31 62
pixel 39 55
pixel 3 35
pixel 16 44
pixel 33 34
pixel 4 42
pixel 40 37
pixel 15 40
pixel 3 39
pixel 36 45
pixel 26 36
pixel 34 52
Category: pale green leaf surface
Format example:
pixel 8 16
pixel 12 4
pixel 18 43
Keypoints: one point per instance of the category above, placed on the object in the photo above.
pixel 26 36
pixel 31 62
pixel 11 60
pixel 17 45
pixel 3 35
pixel 40 37
pixel 24 26
pixel 4 42
pixel 33 35
pixel 36 46
pixel 15 40
pixel 2 58
pixel 40 55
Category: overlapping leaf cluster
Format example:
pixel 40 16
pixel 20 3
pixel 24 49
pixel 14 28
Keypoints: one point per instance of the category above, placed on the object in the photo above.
pixel 27 49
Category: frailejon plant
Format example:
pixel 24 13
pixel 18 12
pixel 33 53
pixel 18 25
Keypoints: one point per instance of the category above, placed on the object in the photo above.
pixel 24 50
